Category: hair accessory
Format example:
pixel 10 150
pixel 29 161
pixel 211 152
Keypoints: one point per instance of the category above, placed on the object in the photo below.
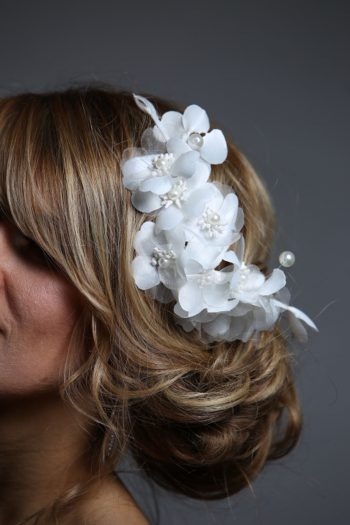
pixel 195 223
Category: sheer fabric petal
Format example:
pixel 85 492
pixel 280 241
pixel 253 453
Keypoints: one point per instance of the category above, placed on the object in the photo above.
pixel 145 275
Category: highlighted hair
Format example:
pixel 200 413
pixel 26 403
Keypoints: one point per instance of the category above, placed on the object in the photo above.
pixel 201 420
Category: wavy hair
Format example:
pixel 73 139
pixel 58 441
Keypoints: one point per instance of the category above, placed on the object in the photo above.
pixel 200 419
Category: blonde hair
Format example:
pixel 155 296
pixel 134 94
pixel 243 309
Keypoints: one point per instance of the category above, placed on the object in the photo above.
pixel 201 420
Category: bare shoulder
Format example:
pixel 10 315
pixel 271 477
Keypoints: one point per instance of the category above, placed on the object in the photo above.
pixel 112 504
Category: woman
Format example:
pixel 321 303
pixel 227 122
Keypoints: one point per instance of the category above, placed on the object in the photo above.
pixel 92 364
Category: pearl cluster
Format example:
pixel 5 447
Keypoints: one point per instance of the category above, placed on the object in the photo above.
pixel 162 164
pixel 175 195
pixel 243 276
pixel 210 223
pixel 162 257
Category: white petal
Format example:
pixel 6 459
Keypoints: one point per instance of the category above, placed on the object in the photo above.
pixel 241 310
pixel 224 239
pixel 190 298
pixel 186 164
pixel 145 241
pixel 135 170
pixel 199 198
pixel 283 295
pixel 195 119
pixel 146 105
pixel 215 294
pixel 192 267
pixel 229 208
pixel 177 146
pixel 200 251
pixel 214 149
pixel 172 122
pixel 200 176
pixel 274 282
pixel 262 319
pixel 186 324
pixel 176 237
pixel 132 152
pixel 231 257
pixel 145 201
pixel 235 279
pixel 180 311
pixel 239 219
pixel 239 248
pixel 254 279
pixel 169 277
pixel 162 294
pixel 145 275
pixel 158 185
pixel 218 326
pixel 298 313
pixel 297 328
pixel 168 218
pixel 151 143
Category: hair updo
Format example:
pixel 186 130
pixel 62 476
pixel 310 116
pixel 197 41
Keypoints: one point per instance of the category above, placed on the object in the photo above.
pixel 200 419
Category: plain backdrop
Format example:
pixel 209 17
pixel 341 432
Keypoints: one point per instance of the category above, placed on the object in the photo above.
pixel 275 76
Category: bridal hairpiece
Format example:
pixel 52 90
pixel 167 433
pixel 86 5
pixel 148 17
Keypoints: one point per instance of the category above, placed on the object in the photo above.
pixel 195 223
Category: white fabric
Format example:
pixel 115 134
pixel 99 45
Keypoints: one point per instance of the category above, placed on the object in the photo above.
pixel 196 222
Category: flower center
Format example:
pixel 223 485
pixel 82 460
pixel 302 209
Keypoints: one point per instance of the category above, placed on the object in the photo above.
pixel 210 223
pixel 243 276
pixel 195 141
pixel 162 257
pixel 161 165
pixel 175 195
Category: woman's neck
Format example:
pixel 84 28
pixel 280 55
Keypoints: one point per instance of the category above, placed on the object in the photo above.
pixel 41 445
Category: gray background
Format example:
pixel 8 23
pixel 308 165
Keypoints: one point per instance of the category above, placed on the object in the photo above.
pixel 275 74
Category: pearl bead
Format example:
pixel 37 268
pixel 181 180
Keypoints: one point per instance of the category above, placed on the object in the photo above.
pixel 215 218
pixel 162 257
pixel 195 140
pixel 287 258
pixel 163 163
pixel 160 163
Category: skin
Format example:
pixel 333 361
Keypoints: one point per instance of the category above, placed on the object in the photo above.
pixel 40 436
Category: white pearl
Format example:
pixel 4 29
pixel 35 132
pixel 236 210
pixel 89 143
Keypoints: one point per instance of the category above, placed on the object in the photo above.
pixel 287 258
pixel 195 140
pixel 161 163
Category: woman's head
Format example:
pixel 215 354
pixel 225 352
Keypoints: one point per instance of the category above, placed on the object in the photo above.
pixel 201 419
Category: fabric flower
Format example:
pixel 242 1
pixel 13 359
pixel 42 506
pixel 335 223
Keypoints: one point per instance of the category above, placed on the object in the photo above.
pixel 256 305
pixel 249 285
pixel 204 287
pixel 168 204
pixel 148 171
pixel 189 131
pixel 213 215
pixel 156 259
pixel 178 255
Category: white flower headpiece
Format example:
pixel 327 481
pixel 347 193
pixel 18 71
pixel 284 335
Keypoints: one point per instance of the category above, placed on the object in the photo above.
pixel 196 222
